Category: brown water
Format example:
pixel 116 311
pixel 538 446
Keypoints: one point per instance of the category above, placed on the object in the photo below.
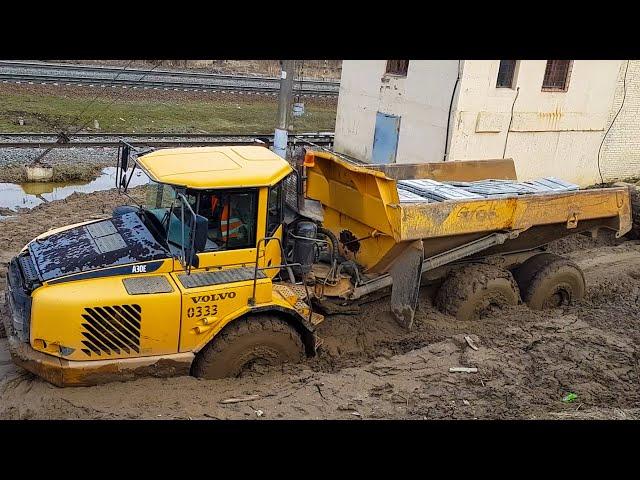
pixel 28 195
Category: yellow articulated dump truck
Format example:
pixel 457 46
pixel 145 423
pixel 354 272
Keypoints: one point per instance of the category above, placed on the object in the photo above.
pixel 235 251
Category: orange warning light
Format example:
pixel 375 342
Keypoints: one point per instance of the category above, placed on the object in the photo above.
pixel 309 159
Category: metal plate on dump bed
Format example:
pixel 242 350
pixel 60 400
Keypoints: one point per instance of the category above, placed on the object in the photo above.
pixel 145 285
pixel 230 275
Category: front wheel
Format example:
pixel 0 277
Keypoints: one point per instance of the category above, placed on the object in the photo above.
pixel 262 340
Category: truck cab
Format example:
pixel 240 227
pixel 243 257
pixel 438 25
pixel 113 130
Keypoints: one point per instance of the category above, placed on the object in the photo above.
pixel 148 289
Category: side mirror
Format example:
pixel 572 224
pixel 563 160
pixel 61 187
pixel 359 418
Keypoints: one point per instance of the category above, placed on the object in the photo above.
pixel 198 227
pixel 200 233
pixel 124 150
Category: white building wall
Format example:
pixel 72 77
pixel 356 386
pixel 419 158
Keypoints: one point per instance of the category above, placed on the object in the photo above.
pixel 551 133
pixel 421 99
pixel 620 155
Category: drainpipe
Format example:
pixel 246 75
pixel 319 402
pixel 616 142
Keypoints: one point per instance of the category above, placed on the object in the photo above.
pixel 447 145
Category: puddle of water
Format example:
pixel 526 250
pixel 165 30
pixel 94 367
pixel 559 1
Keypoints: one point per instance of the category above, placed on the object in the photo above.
pixel 29 195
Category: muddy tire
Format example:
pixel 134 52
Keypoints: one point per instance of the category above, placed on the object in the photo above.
pixel 263 340
pixel 470 292
pixel 549 281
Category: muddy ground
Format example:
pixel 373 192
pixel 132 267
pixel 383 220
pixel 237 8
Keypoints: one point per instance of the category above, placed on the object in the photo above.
pixel 370 368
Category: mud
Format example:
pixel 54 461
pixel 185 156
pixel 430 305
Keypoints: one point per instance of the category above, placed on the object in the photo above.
pixel 369 367
pixel 62 173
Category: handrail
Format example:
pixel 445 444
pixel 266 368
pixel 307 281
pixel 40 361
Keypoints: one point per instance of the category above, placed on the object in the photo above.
pixel 252 299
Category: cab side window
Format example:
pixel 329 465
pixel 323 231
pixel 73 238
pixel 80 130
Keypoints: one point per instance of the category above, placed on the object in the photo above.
pixel 232 218
pixel 274 209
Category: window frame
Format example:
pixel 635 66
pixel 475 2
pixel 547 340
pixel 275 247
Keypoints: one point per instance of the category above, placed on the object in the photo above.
pixel 278 186
pixel 514 74
pixel 397 72
pixel 567 78
pixel 230 192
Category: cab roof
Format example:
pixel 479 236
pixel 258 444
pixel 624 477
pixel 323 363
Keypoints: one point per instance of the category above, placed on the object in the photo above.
pixel 215 167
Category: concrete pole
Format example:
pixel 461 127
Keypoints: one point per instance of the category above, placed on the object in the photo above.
pixel 284 108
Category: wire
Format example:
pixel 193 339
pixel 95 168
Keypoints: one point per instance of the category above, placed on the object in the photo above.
pixel 77 117
pixel 453 94
pixel 120 96
pixel 624 95
pixel 39 158
pixel 504 152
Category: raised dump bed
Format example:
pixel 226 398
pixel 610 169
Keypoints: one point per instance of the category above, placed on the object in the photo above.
pixel 376 210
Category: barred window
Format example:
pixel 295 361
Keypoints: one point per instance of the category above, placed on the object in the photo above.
pixel 556 76
pixel 397 67
pixel 506 73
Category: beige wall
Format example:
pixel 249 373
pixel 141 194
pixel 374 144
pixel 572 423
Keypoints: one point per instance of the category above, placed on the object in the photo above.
pixel 551 134
pixel 421 99
pixel 620 155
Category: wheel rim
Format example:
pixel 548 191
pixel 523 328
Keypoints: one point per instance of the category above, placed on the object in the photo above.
pixel 489 305
pixel 262 358
pixel 561 296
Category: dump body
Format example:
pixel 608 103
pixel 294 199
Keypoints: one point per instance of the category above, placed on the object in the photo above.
pixel 362 207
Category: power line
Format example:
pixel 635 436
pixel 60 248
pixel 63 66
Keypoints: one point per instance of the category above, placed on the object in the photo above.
pixel 624 95
pixel 39 158
pixel 77 117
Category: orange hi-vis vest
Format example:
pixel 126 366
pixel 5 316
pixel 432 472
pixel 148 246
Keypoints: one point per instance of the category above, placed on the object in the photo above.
pixel 228 226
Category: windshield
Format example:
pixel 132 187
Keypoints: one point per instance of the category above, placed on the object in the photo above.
pixel 160 199
pixel 159 195
pixel 231 215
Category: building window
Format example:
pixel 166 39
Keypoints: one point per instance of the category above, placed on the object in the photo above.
pixel 556 76
pixel 397 67
pixel 506 73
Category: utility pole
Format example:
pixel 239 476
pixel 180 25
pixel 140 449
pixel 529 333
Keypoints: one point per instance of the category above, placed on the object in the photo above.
pixel 284 107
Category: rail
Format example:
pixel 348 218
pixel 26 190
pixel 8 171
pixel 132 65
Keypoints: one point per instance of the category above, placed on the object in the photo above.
pixel 88 140
pixel 252 300
pixel 46 73
pixel 157 71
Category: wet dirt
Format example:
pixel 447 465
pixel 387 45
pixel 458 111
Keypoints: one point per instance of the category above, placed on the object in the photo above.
pixel 369 367
pixel 69 172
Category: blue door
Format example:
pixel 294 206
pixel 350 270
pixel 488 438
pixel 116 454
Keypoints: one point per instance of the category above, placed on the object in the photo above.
pixel 385 138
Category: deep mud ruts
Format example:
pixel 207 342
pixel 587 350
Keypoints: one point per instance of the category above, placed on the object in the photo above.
pixel 369 367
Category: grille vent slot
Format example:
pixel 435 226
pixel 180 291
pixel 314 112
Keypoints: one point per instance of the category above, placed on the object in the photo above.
pixel 111 330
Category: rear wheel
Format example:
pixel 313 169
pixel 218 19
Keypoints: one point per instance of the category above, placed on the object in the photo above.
pixel 247 343
pixel 473 291
pixel 549 281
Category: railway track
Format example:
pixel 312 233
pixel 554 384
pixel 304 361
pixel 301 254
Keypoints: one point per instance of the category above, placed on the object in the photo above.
pixel 93 140
pixel 93 76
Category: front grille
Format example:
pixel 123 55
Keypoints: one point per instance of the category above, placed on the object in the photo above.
pixel 290 186
pixel 112 329
pixel 28 269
